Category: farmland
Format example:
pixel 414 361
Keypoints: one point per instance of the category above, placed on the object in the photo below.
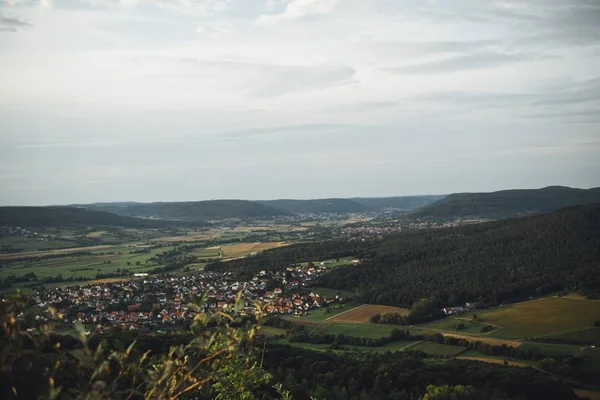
pixel 245 249
pixel 362 314
pixel 548 316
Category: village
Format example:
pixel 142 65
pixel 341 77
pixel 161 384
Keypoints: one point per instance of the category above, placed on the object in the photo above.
pixel 149 302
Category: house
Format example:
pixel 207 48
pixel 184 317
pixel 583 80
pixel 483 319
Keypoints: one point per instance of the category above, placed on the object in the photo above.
pixel 277 291
pixel 448 310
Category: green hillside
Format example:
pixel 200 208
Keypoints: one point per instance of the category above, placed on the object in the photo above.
pixel 40 217
pixel 192 210
pixel 507 203
pixel 339 206
pixel 399 203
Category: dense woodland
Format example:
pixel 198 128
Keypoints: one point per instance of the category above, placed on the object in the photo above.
pixel 491 263
pixel 402 376
pixel 508 202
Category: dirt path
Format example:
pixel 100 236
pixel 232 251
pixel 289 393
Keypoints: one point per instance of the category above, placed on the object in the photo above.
pixel 415 344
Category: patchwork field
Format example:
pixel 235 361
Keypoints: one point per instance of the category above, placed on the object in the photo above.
pixel 549 316
pixel 362 313
pixel 13 256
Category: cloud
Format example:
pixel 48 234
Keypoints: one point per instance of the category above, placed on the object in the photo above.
pixel 202 7
pixel 572 101
pixel 470 61
pixel 298 9
pixel 365 106
pixel 266 80
pixel 9 24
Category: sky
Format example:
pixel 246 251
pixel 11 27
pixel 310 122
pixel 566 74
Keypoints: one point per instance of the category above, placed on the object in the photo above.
pixel 180 100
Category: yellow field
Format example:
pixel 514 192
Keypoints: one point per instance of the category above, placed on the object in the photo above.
pixel 362 314
pixel 486 339
pixel 493 361
pixel 244 249
pixel 96 234
pixel 587 394
pixel 541 317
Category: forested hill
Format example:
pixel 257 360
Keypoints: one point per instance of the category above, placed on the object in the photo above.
pixel 190 211
pixel 508 203
pixel 352 205
pixel 397 203
pixel 492 262
pixel 40 217
pixel 318 206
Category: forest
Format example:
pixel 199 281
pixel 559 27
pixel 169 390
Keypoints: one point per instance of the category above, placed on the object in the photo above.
pixel 402 376
pixel 490 263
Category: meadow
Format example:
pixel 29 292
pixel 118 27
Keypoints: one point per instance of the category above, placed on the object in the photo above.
pixel 548 316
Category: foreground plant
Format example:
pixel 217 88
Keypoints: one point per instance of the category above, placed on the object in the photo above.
pixel 218 362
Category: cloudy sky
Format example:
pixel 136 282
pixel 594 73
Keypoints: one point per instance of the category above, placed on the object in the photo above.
pixel 147 100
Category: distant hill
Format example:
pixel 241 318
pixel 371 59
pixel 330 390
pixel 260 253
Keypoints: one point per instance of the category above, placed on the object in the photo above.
pixel 508 203
pixel 339 206
pixel 39 217
pixel 397 203
pixel 190 211
pixel 351 205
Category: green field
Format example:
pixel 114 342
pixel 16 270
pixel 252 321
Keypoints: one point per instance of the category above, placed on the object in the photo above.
pixel 549 316
pixel 322 314
pixel 207 253
pixel 327 292
pixel 361 330
pixel 18 243
pixel 437 349
pixel 451 325
pixel 78 268
pixel 586 335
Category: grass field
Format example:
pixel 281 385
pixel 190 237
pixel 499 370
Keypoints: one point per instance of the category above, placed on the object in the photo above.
pixel 587 335
pixel 327 292
pixel 24 244
pixel 451 324
pixel 321 314
pixel 437 349
pixel 361 330
pixel 85 265
pixel 362 313
pixel 271 331
pixel 549 316
pixel 550 349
